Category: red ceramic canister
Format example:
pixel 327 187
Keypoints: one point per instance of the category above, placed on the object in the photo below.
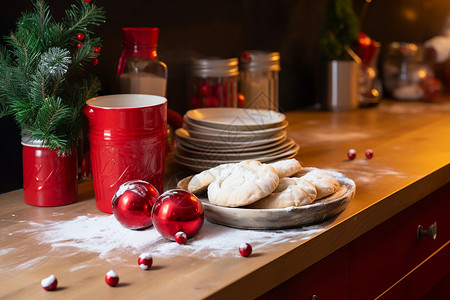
pixel 127 137
pixel 49 179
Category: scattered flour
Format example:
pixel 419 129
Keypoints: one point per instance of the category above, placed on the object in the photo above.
pixel 107 237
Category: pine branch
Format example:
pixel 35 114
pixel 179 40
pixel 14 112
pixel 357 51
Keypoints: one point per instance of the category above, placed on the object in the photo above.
pixel 43 80
pixel 82 18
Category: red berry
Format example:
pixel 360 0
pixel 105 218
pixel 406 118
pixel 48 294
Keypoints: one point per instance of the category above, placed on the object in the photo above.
pixel 205 89
pixel 245 56
pixel 97 49
pixel 219 91
pixel 49 283
pixel 87 1
pixel 212 101
pixel 181 237
pixel 111 278
pixel 195 102
pixel 80 36
pixel 369 153
pixel 245 249
pixel 351 154
pixel 79 45
pixel 145 261
pixel 94 61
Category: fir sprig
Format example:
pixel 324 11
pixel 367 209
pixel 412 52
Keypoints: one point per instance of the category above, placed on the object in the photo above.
pixel 43 80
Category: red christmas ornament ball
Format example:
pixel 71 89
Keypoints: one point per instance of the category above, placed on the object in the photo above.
pixel 351 154
pixel 132 204
pixel 145 261
pixel 94 61
pixel 80 36
pixel 50 283
pixel 87 1
pixel 79 45
pixel 97 50
pixel 111 278
pixel 369 153
pixel 245 249
pixel 177 210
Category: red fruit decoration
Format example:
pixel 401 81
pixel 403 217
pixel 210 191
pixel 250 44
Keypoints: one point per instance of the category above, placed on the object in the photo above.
pixel 97 50
pixel 180 237
pixel 212 101
pixel 79 45
pixel 87 1
pixel 369 153
pixel 245 249
pixel 351 154
pixel 132 204
pixel 177 210
pixel 366 49
pixel 50 283
pixel 431 87
pixel 81 37
pixel 111 278
pixel 145 261
pixel 205 89
pixel 195 101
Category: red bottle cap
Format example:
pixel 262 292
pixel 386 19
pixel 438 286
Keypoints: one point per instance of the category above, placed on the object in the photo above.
pixel 144 36
pixel 138 42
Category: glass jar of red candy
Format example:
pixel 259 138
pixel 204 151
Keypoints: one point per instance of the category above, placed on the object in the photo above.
pixel 212 82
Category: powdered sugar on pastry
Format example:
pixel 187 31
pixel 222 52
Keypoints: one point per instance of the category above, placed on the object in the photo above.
pixel 287 167
pixel 245 183
pixel 290 192
pixel 324 182
pixel 200 182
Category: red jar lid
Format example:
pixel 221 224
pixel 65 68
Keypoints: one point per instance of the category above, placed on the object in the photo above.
pixel 147 36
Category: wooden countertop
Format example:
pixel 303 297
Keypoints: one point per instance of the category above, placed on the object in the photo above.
pixel 411 147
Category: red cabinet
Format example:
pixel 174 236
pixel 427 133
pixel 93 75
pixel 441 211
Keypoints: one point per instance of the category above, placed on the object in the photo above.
pixel 382 256
pixel 389 261
pixel 327 279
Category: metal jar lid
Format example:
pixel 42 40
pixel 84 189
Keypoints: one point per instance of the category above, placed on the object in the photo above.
pixel 260 61
pixel 29 141
pixel 214 67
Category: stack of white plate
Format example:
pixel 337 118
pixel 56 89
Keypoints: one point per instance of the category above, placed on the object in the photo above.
pixel 214 136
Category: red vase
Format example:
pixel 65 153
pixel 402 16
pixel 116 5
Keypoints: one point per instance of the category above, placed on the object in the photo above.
pixel 48 179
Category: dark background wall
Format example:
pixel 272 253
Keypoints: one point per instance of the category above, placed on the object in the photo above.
pixel 225 29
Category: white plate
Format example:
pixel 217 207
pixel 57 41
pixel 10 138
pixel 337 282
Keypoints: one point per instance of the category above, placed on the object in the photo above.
pixel 186 144
pixel 241 155
pixel 190 126
pixel 184 135
pixel 236 118
pixel 290 217
pixel 228 136
pixel 197 164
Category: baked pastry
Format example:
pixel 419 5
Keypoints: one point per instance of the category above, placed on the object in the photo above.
pixel 287 167
pixel 324 182
pixel 290 192
pixel 242 184
pixel 200 182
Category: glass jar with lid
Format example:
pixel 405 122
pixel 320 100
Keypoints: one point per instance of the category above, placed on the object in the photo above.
pixel 212 82
pixel 259 79
pixel 139 70
pixel 404 68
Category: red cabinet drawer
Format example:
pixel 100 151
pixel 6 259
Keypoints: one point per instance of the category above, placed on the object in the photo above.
pixel 388 252
pixel 327 279
pixel 419 283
